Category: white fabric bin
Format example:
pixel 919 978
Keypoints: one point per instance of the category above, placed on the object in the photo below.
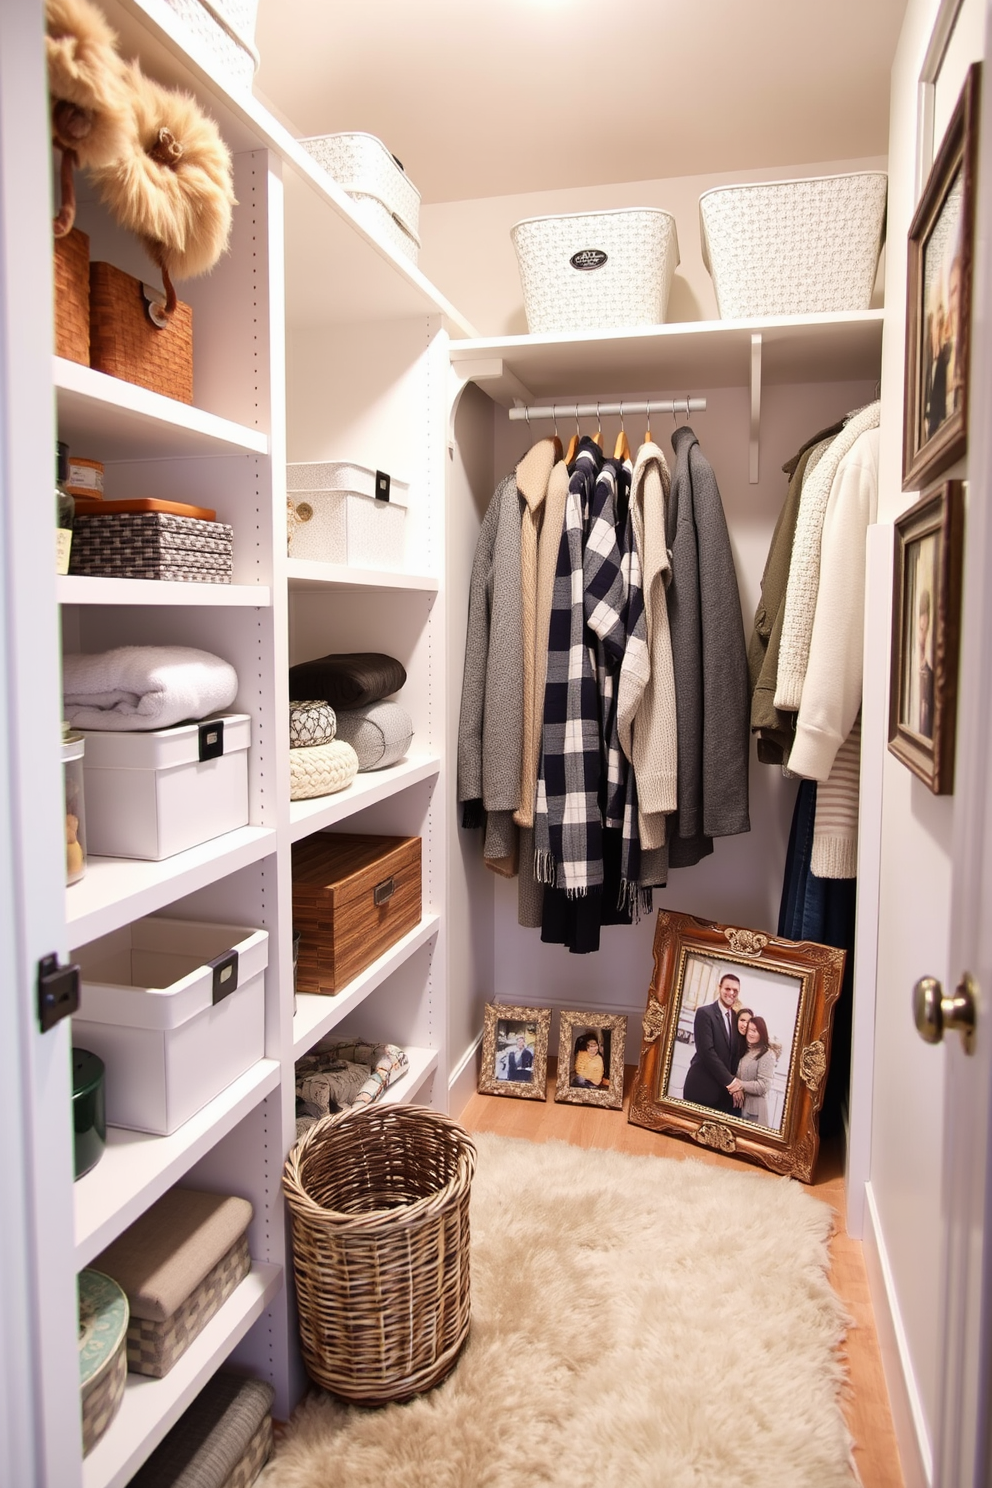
pixel 386 201
pixel 344 513
pixel 225 29
pixel 176 1011
pixel 152 794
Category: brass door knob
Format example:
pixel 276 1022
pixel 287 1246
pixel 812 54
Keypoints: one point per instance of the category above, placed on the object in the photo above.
pixel 933 1012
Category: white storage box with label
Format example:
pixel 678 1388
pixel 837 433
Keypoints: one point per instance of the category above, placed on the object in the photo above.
pixel 152 794
pixel 341 513
pixel 176 1011
pixel 385 200
pixel 794 247
pixel 597 270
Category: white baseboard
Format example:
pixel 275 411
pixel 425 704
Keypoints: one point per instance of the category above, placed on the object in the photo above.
pixel 908 1419
pixel 463 1081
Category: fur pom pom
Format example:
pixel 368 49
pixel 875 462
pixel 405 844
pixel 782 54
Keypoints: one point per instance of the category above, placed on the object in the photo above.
pixel 173 184
pixel 89 97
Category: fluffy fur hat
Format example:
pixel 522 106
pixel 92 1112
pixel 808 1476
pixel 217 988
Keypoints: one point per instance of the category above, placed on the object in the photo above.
pixel 90 110
pixel 172 186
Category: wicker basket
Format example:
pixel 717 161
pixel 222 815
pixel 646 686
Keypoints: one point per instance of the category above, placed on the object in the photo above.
pixel 125 343
pixel 152 545
pixel 794 247
pixel 597 270
pixel 379 1201
pixel 71 272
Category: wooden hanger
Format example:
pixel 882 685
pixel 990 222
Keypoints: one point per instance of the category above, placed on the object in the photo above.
pixel 621 450
pixel 647 422
pixel 597 438
pixel 557 441
pixel 573 443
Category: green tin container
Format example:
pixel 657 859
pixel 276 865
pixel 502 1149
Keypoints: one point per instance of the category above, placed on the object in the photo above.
pixel 89 1112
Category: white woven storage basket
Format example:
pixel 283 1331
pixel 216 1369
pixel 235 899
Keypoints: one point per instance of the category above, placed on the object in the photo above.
pixel 794 247
pixel 596 270
pixel 226 29
pixel 368 172
pixel 321 770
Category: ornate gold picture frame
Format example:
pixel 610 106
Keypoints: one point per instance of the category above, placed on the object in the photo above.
pixel 736 1041
pixel 590 1059
pixel 515 1051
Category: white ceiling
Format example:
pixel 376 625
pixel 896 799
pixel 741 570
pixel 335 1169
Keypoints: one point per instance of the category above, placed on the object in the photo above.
pixel 488 97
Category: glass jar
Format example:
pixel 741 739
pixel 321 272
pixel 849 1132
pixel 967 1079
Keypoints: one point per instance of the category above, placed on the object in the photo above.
pixel 65 510
pixel 73 745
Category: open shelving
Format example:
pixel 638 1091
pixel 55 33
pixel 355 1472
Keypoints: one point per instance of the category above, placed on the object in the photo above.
pixel 404 1092
pixel 303 574
pixel 367 789
pixel 93 590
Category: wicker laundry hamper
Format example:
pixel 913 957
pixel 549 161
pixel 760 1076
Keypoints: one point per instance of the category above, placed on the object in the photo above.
pixel 379 1201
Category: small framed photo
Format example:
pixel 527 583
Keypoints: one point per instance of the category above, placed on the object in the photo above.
pixel 736 1041
pixel 590 1059
pixel 938 306
pixel 515 1051
pixel 926 627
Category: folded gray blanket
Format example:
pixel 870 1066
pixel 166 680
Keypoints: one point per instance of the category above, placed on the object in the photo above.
pixel 144 687
pixel 347 679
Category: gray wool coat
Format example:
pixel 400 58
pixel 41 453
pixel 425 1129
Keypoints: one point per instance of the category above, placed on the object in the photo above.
pixel 712 698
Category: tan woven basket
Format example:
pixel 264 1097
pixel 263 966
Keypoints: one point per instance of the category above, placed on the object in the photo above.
pixel 71 273
pixel 379 1201
pixel 124 343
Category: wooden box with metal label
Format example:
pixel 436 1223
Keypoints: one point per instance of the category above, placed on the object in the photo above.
pixel 353 897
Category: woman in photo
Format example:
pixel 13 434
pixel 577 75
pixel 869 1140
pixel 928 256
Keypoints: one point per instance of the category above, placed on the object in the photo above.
pixel 755 1072
pixel 744 1016
pixel 588 1063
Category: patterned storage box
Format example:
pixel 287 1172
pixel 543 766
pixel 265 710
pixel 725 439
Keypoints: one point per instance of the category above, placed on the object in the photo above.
pixel 223 1440
pixel 152 545
pixel 225 29
pixel 71 275
pixel 794 247
pixel 178 1264
pixel 344 513
pixel 384 198
pixel 103 1319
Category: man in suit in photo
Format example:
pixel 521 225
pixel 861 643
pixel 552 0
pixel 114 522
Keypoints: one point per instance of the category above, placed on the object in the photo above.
pixel 520 1060
pixel 711 1079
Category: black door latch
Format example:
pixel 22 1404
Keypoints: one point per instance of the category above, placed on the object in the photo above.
pixel 58 991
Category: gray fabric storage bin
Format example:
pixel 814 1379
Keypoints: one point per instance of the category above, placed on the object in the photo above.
pixel 379 734
pixel 221 1441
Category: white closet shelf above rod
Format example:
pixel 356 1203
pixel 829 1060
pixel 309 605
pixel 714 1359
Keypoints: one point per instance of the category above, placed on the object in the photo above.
pixel 631 406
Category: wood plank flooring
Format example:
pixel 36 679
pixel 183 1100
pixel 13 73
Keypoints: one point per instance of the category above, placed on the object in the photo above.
pixel 867 1403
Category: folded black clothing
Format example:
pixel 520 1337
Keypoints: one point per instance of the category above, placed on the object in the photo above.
pixel 347 679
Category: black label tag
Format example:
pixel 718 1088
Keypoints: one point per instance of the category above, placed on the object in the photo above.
pixel 588 258
pixel 211 739
pixel 381 486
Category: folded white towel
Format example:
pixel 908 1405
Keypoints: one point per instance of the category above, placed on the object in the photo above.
pixel 145 687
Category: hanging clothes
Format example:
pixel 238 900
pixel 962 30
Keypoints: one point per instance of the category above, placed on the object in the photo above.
pixel 835 831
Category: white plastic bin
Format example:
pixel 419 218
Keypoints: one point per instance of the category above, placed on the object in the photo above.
pixel 385 199
pixel 149 795
pixel 804 247
pixel 597 270
pixel 343 513
pixel 176 1011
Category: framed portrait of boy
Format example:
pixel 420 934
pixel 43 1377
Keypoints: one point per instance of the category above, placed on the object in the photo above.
pixel 938 303
pixel 926 632
pixel 736 1041
pixel 515 1052
pixel 590 1059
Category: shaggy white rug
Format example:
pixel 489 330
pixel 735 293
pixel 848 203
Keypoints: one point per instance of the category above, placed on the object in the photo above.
pixel 636 1321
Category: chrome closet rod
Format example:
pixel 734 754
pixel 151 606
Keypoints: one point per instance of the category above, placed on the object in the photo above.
pixel 631 406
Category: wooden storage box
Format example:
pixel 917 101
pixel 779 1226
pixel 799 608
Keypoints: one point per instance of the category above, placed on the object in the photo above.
pixel 71 275
pixel 126 343
pixel 353 897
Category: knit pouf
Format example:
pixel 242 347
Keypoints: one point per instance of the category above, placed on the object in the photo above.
pixel 321 770
pixel 311 723
pixel 380 734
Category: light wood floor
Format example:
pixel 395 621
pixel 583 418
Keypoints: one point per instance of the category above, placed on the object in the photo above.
pixel 867 1402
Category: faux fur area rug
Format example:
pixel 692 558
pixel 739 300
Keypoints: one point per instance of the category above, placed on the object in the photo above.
pixel 635 1321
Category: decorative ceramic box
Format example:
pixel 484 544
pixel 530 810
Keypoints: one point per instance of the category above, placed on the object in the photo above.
pixel 384 198
pixel 344 513
pixel 222 1440
pixel 102 1352
pixel 353 897
pixel 154 793
pixel 176 1011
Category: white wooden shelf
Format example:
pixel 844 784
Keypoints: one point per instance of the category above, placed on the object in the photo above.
pixel 151 1406
pixel 316 1015
pixel 115 891
pixel 423 1063
pixel 367 789
pixel 117 420
pixel 304 574
pixel 680 358
pixel 137 1167
pixel 90 590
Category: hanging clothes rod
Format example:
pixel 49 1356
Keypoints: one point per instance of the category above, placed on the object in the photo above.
pixel 632 407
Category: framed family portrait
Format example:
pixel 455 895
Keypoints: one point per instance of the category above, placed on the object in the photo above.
pixel 590 1059
pixel 938 305
pixel 926 629
pixel 736 1041
pixel 515 1052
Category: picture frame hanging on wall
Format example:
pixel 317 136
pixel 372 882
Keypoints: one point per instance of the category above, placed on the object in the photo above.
pixel 736 1041
pixel 515 1051
pixel 926 634
pixel 938 300
pixel 590 1059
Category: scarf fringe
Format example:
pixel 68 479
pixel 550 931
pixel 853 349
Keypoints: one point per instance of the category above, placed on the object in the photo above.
pixel 544 867
pixel 637 900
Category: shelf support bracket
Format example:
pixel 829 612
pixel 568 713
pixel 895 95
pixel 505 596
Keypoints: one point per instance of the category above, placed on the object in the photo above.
pixel 482 370
pixel 752 472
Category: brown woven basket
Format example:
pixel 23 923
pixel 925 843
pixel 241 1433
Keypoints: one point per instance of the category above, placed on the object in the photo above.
pixel 124 343
pixel 379 1201
pixel 71 273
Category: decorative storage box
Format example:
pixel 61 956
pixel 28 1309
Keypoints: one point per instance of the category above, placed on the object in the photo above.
pixel 596 270
pixel 175 1009
pixel 222 1440
pixel 353 897
pixel 102 1353
pixel 794 247
pixel 152 794
pixel 126 343
pixel 225 30
pixel 89 1110
pixel 386 201
pixel 71 271
pixel 341 513
pixel 177 1264
pixel 152 545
